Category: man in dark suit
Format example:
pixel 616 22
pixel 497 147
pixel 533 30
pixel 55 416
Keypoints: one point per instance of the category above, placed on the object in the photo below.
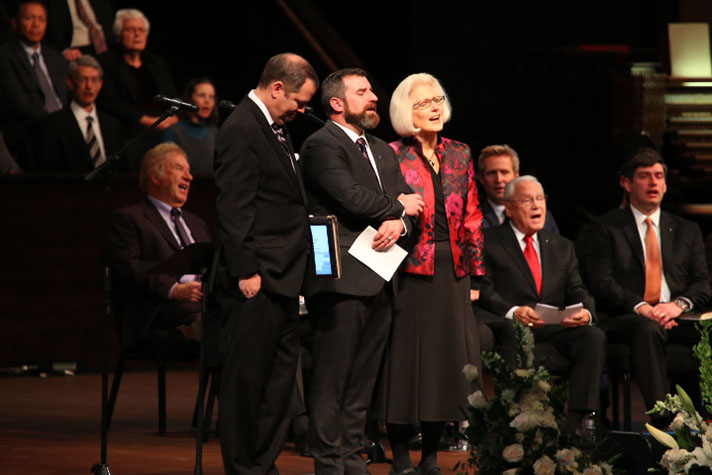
pixel 79 26
pixel 32 79
pixel 645 267
pixel 354 176
pixel 147 233
pixel 79 137
pixel 498 165
pixel 264 242
pixel 526 265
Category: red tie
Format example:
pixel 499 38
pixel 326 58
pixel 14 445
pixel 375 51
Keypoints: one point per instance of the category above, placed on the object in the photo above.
pixel 533 261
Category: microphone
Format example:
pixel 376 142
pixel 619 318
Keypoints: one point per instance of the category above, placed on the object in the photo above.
pixel 227 105
pixel 187 106
pixel 309 114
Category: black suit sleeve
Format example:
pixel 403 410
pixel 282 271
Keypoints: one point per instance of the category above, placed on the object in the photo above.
pixel 328 168
pixel 124 253
pixel 698 285
pixel 237 175
pixel 575 290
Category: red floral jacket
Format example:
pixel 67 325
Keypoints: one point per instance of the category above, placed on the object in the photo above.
pixel 461 205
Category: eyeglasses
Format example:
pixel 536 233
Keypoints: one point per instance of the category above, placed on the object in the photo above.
pixel 528 201
pixel 425 103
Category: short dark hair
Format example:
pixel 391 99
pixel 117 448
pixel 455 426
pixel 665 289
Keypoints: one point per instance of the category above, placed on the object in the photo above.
pixel 333 86
pixel 187 96
pixel 644 157
pixel 291 69
pixel 18 6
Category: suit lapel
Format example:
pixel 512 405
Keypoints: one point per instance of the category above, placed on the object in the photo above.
pixel 512 246
pixel 276 146
pixel 667 233
pixel 381 165
pixel 488 214
pixel 630 229
pixel 75 135
pixel 26 65
pixel 355 155
pixel 155 218
pixel 546 258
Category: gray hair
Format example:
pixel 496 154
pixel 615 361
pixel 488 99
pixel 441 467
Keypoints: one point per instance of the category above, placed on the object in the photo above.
pixel 87 61
pixel 401 109
pixel 511 186
pixel 126 14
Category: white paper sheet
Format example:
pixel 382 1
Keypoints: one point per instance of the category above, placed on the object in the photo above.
pixel 383 263
pixel 552 315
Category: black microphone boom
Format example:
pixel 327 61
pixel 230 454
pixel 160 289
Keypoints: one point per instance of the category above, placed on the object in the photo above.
pixel 186 106
pixel 227 105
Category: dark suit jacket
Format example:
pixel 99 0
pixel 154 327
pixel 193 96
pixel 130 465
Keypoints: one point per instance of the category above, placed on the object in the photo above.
pixel 340 181
pixel 509 282
pixel 138 239
pixel 119 94
pixel 22 96
pixel 261 205
pixel 616 270
pixel 489 217
pixel 60 145
pixel 59 22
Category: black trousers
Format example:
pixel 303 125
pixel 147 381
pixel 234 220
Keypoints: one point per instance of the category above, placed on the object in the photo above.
pixel 261 346
pixel 350 334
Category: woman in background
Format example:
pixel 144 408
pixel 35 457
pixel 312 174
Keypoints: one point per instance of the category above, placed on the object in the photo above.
pixel 195 132
pixel 434 333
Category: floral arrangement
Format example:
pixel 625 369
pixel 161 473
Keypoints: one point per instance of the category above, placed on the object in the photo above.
pixel 517 431
pixel 690 451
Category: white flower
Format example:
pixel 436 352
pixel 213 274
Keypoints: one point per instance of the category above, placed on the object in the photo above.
pixel 606 468
pixel 677 423
pixel 701 456
pixel 708 433
pixel 508 394
pixel 470 372
pixel 477 399
pixel 528 420
pixel 522 373
pixel 513 453
pixel 511 471
pixel 592 470
pixel 544 466
pixel 566 459
pixel 675 459
pixel 544 386
pixel 663 437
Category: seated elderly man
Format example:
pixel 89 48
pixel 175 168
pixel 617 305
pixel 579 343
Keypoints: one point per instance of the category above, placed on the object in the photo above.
pixel 526 265
pixel 149 232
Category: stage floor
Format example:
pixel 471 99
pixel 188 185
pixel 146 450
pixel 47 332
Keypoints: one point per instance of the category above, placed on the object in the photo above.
pixel 51 425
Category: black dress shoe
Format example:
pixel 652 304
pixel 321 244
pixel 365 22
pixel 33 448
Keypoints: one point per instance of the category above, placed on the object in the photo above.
pixel 432 470
pixel 407 471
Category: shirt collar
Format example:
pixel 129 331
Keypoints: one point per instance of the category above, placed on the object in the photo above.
pixel 520 235
pixel 29 50
pixel 163 208
pixel 639 216
pixel 81 113
pixel 351 134
pixel 498 208
pixel 262 107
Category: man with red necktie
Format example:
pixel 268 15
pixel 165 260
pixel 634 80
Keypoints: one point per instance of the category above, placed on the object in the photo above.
pixel 525 265
pixel 645 267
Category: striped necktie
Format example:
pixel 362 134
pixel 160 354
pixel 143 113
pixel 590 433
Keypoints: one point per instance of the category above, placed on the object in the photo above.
pixel 95 35
pixel 93 143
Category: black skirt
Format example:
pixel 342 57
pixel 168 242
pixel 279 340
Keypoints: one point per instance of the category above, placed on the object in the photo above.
pixel 433 336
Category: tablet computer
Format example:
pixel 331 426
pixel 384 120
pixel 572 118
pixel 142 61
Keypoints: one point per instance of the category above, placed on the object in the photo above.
pixel 325 243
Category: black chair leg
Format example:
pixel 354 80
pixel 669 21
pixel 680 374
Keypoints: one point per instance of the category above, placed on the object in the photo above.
pixel 615 401
pixel 161 397
pixel 118 373
pixel 212 397
pixel 626 402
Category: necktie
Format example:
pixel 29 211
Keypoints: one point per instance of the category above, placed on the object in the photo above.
pixel 93 143
pixel 51 103
pixel 279 132
pixel 362 146
pixel 96 36
pixel 533 261
pixel 653 265
pixel 183 235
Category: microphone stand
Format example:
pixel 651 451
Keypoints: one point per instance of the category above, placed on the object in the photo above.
pixel 106 170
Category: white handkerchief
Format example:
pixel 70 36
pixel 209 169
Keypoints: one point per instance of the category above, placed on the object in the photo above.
pixel 383 263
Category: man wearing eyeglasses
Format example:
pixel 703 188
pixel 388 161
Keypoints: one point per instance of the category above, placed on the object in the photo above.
pixel 527 265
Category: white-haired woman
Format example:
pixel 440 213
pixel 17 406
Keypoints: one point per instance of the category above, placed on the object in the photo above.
pixel 434 333
pixel 132 77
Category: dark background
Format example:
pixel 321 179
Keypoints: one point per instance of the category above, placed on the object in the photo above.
pixel 516 73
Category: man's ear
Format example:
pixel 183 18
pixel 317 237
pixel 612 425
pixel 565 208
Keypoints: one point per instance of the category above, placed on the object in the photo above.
pixel 508 208
pixel 277 89
pixel 336 104
pixel 625 183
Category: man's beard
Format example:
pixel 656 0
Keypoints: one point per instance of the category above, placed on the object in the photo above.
pixel 363 119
